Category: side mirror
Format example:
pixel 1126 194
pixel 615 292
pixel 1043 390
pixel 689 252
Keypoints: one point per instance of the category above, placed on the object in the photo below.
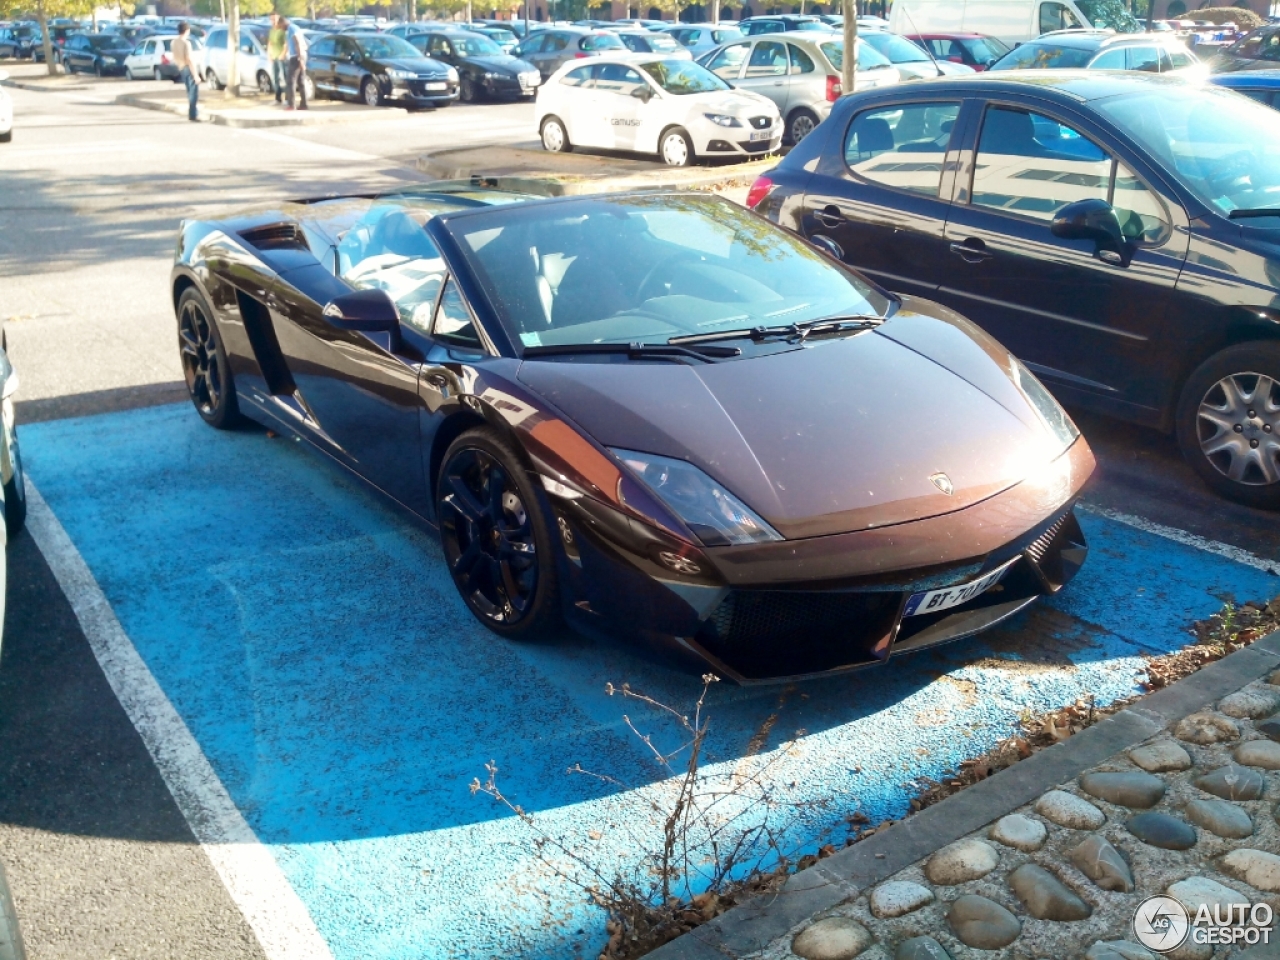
pixel 1094 220
pixel 643 94
pixel 828 246
pixel 992 62
pixel 366 311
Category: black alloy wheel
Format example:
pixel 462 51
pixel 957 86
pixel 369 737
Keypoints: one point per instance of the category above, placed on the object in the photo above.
pixel 1228 423
pixel 495 538
pixel 204 363
pixel 15 490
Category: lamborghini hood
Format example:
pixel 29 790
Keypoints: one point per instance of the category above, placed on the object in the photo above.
pixel 921 417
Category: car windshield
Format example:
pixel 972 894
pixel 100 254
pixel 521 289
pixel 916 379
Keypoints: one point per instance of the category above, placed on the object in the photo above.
pixel 386 47
pixel 986 49
pixel 895 48
pixel 1224 147
pixel 869 58
pixel 476 46
pixel 644 269
pixel 1111 14
pixel 683 76
pixel 1044 56
pixel 109 42
pixel 602 41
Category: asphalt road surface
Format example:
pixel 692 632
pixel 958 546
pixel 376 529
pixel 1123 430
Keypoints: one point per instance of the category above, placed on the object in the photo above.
pixel 314 651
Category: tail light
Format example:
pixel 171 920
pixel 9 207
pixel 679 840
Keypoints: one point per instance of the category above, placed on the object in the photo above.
pixel 759 190
pixel 834 89
pixel 582 56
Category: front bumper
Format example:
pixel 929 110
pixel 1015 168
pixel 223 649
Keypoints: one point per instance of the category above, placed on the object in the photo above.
pixel 825 605
pixel 730 141
pixel 508 88
pixel 416 92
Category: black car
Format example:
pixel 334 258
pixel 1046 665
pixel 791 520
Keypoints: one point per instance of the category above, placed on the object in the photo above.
pixel 1256 50
pixel 99 53
pixel 18 41
pixel 656 416
pixel 1119 233
pixel 377 68
pixel 483 69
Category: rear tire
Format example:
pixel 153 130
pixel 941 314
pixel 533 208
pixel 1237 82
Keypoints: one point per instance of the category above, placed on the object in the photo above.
pixel 495 537
pixel 155 74
pixel 800 124
pixel 265 86
pixel 204 362
pixel 1228 423
pixel 676 148
pixel 6 136
pixel 555 138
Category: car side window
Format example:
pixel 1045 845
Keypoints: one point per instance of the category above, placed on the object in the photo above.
pixel 218 39
pixel 453 320
pixel 438 46
pixel 1271 48
pixel 1033 165
pixel 247 44
pixel 1142 216
pixel 1178 59
pixel 390 250
pixel 1144 59
pixel 1249 48
pixel 1057 16
pixel 1110 60
pixel 768 59
pixel 615 78
pixel 324 48
pixel 727 64
pixel 801 62
pixel 555 42
pixel 902 146
pixel 577 78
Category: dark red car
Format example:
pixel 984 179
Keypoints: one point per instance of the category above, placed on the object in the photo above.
pixel 971 49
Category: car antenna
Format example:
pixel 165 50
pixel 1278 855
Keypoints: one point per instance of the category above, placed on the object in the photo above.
pixel 916 32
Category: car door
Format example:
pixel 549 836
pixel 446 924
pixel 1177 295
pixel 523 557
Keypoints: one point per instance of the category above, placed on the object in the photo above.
pixel 356 393
pixel 882 195
pixel 580 108
pixel 320 63
pixel 766 72
pixel 558 49
pixel 618 104
pixel 215 53
pixel 142 60
pixel 728 63
pixel 249 55
pixel 347 68
pixel 1083 322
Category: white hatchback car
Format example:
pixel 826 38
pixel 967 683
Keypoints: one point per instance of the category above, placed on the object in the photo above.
pixel 152 58
pixel 674 108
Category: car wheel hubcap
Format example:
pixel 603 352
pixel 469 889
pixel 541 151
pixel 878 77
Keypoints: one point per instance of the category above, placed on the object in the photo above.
pixel 197 342
pixel 675 151
pixel 371 94
pixel 1239 427
pixel 553 137
pixel 488 537
pixel 801 127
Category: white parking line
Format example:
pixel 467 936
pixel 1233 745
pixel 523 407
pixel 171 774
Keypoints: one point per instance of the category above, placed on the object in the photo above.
pixel 250 873
pixel 1237 554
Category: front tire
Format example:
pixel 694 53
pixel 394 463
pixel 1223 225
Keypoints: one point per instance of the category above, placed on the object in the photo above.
pixel 467 91
pixel 15 490
pixel 676 148
pixel 369 94
pixel 204 363
pixel 1228 423
pixel 555 138
pixel 495 537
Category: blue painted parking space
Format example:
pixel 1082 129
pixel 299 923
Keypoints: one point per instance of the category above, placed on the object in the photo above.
pixel 313 644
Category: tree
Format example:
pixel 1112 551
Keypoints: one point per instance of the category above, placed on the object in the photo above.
pixel 849 64
pixel 45 10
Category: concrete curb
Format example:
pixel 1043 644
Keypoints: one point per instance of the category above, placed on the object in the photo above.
pixel 576 174
pixel 757 923
pixel 44 87
pixel 308 119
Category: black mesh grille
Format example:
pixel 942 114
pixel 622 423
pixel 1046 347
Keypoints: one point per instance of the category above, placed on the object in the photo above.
pixel 776 633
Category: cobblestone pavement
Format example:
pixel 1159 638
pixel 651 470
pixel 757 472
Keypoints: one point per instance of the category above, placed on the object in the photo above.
pixel 1189 812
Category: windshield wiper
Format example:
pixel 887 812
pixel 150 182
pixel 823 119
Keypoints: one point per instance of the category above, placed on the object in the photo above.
pixel 793 332
pixel 1241 212
pixel 641 350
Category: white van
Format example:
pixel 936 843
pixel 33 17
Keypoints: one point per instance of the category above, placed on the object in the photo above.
pixel 1013 21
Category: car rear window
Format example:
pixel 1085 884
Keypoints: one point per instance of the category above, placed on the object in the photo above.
pixel 1044 56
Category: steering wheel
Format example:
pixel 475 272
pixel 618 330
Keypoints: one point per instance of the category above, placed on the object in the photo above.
pixel 648 277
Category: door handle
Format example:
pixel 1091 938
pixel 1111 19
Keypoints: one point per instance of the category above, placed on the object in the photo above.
pixel 829 216
pixel 971 251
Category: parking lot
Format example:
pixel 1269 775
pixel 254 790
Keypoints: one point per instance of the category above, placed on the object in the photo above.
pixel 216 639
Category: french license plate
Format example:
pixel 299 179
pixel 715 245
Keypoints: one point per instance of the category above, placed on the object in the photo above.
pixel 757 135
pixel 437 86
pixel 933 601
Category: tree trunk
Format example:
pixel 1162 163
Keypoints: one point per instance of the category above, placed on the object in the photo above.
pixel 848 69
pixel 233 51
pixel 46 40
pixel 715 11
